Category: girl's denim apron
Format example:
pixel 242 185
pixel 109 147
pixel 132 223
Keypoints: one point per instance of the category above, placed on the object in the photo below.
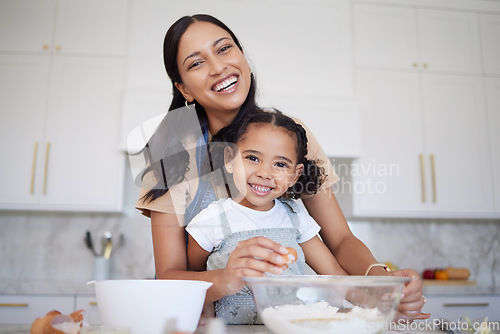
pixel 239 308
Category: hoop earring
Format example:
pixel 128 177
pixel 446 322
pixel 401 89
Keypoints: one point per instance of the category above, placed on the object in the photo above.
pixel 187 105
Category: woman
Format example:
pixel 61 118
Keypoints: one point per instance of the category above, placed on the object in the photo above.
pixel 207 67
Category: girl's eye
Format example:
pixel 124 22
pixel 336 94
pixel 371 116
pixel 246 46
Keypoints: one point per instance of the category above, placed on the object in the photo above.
pixel 282 164
pixel 252 158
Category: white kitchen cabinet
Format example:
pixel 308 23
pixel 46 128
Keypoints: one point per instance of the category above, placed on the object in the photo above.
pixel 22 125
pixel 411 38
pixel 423 115
pixel 453 307
pixel 425 149
pixel 89 304
pixel 493 107
pixel 449 41
pixel 26 25
pixel 61 151
pixel 456 140
pixel 64 27
pixel 490 40
pixel 24 309
pixel 61 105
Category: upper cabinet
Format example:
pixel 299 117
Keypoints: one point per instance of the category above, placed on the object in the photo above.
pixel 64 27
pixel 410 38
pixel 427 149
pixel 490 40
pixel 62 72
pixel 493 108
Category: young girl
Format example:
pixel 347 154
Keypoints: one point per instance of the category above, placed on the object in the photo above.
pixel 268 165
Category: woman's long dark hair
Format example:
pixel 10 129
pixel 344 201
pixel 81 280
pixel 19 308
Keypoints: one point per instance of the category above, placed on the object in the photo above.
pixel 162 142
pixel 312 176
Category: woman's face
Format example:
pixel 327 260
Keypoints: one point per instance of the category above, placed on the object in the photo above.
pixel 265 167
pixel 213 69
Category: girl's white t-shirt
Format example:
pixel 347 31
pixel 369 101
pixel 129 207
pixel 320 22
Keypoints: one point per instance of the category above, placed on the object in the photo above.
pixel 206 227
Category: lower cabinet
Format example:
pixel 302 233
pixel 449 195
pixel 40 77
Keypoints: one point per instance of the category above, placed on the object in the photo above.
pixel 89 304
pixel 24 309
pixel 472 306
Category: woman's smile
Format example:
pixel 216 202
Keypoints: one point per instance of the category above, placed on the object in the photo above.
pixel 226 85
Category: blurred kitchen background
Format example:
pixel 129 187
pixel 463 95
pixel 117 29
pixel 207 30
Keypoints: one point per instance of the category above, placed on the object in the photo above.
pixel 403 95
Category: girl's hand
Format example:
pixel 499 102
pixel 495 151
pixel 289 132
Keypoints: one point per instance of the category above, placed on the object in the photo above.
pixel 253 258
pixel 413 300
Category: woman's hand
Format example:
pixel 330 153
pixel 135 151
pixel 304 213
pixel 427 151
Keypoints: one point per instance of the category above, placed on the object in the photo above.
pixel 413 300
pixel 253 258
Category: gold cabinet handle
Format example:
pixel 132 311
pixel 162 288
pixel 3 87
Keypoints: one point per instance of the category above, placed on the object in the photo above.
pixel 415 65
pixel 58 47
pixel 425 65
pixel 93 303
pixel 33 168
pixel 45 47
pixel 422 176
pixel 14 304
pixel 466 304
pixel 433 170
pixel 47 152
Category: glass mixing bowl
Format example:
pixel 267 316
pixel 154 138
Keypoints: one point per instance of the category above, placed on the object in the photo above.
pixel 326 304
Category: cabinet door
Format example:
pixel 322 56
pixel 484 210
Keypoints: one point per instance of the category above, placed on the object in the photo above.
pixel 26 25
pixel 385 36
pixel 23 104
pixel 84 163
pixel 493 107
pixel 89 304
pixel 456 135
pixel 449 41
pixel 91 27
pixel 19 309
pixel 454 307
pixel 387 177
pixel 490 41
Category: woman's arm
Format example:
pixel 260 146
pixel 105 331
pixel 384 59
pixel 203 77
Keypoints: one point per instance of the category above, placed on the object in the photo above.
pixel 320 259
pixel 354 256
pixel 349 251
pixel 169 246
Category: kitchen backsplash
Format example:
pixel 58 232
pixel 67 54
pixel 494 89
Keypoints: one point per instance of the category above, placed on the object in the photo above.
pixel 44 252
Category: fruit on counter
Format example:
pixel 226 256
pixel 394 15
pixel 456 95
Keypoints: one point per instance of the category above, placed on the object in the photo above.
pixel 56 323
pixel 457 273
pixel 448 273
pixel 440 274
pixel 428 274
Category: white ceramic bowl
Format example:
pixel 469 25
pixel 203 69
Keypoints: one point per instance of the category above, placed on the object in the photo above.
pixel 326 304
pixel 151 306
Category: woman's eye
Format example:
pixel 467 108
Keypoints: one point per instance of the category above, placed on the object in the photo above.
pixel 225 48
pixel 196 63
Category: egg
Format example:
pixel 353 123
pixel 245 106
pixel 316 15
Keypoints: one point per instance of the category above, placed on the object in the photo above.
pixel 289 257
pixel 56 323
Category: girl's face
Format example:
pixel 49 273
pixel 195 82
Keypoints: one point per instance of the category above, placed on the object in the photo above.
pixel 213 69
pixel 265 166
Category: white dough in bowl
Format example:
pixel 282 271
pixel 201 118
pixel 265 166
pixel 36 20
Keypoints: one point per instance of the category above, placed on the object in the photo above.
pixel 322 318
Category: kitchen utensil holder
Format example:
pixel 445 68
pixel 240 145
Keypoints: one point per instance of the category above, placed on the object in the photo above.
pixel 102 268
